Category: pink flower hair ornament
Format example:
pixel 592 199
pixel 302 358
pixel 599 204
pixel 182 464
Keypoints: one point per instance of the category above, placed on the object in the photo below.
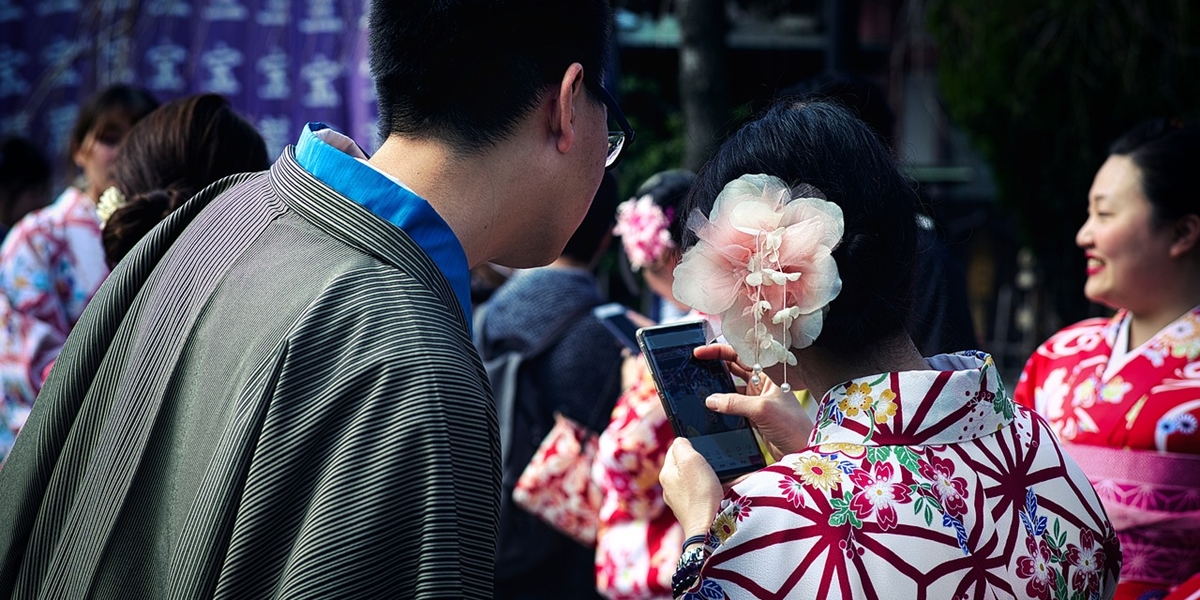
pixel 645 231
pixel 764 267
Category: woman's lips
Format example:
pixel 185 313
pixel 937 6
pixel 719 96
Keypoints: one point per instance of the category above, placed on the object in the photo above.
pixel 1094 265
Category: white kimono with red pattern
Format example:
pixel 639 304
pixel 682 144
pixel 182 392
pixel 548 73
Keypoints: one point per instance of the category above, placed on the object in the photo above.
pixel 919 484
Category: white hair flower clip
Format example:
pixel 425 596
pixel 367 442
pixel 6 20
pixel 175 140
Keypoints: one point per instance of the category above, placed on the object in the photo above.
pixel 645 231
pixel 110 201
pixel 764 266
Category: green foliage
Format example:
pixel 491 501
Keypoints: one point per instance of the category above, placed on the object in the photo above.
pixel 1042 87
pixel 658 125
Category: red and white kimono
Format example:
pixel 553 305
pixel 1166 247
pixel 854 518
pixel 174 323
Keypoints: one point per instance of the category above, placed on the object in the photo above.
pixel 1131 418
pixel 51 264
pixel 917 484
pixel 637 539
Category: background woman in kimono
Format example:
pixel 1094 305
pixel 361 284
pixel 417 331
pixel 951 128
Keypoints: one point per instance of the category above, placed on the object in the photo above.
pixel 1125 391
pixel 52 262
pixel 920 477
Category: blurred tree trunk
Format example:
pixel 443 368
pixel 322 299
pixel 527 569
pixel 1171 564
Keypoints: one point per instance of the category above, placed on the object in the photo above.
pixel 703 27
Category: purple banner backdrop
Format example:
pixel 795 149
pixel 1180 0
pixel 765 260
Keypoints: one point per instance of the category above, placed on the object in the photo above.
pixel 281 63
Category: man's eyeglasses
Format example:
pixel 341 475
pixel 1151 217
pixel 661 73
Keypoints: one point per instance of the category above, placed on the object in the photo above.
pixel 617 140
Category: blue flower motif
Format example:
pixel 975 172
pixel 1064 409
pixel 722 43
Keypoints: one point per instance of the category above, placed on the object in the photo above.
pixel 709 590
pixel 959 531
pixel 1034 524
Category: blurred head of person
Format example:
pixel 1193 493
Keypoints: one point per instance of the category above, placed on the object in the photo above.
pixel 24 179
pixel 649 225
pixel 812 149
pixel 593 235
pixel 168 157
pixel 1143 224
pixel 102 123
pixel 496 80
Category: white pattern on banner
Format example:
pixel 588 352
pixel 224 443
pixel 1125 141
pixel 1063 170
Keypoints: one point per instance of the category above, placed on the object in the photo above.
pixel 275 13
pixel 321 18
pixel 57 58
pixel 11 82
pixel 273 66
pixel 166 59
pixel 220 62
pixel 276 132
pixel 225 10
pixel 320 74
pixel 59 122
pixel 115 57
pixel 169 8
pixel 49 7
pixel 8 12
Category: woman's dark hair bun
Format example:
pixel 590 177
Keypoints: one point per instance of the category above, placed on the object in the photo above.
pixel 134 219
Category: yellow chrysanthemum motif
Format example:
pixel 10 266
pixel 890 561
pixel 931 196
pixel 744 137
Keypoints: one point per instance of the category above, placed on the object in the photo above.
pixel 817 471
pixel 851 450
pixel 725 525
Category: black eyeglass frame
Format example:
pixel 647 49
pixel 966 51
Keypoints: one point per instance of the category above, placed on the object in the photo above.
pixel 626 132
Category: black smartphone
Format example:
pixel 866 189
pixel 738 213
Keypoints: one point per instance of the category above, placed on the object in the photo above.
pixel 615 317
pixel 684 382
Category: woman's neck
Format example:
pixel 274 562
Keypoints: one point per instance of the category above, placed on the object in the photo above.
pixel 824 369
pixel 1145 324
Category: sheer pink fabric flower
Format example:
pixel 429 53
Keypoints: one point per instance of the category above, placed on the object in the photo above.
pixel 764 266
pixel 644 231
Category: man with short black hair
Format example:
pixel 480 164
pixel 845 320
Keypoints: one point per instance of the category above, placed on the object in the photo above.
pixel 276 395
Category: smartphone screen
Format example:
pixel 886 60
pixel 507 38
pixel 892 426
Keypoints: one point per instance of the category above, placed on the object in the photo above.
pixel 615 317
pixel 684 382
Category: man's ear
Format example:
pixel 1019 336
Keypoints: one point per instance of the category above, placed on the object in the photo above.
pixel 1186 232
pixel 570 92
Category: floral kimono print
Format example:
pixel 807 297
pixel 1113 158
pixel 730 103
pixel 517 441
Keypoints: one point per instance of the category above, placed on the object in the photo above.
pixel 918 484
pixel 51 265
pixel 638 539
pixel 1132 423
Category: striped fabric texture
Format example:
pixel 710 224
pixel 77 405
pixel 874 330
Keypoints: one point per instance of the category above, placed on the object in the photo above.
pixel 274 396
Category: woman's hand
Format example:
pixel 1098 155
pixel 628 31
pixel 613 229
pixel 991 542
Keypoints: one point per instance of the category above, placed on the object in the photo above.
pixel 633 370
pixel 690 488
pixel 777 415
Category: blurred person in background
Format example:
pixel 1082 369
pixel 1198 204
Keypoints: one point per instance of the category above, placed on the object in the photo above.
pixel 637 538
pixel 576 376
pixel 52 262
pixel 24 181
pixel 1123 393
pixel 169 156
pixel 920 477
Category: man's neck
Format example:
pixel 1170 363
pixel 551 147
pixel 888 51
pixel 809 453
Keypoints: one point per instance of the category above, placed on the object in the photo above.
pixel 464 191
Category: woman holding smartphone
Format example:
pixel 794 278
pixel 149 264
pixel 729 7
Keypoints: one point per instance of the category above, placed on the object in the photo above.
pixel 920 477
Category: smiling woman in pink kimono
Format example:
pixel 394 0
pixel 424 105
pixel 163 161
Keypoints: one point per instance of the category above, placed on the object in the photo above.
pixel 920 478
pixel 1125 391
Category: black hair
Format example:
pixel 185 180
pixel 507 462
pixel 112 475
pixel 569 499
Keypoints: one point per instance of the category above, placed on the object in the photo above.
pixel 588 240
pixel 865 99
pixel 119 106
pixel 1166 151
pixel 23 167
pixel 668 189
pixel 823 145
pixel 170 155
pixel 466 71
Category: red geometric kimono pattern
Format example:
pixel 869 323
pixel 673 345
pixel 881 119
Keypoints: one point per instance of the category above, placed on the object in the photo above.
pixel 1150 401
pixel 917 484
